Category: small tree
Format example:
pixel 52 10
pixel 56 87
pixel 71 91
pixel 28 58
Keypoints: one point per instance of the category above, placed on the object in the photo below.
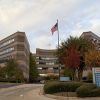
pixel 92 58
pixel 33 71
pixel 13 72
pixel 19 75
pixel 2 73
pixel 72 60
pixel 68 72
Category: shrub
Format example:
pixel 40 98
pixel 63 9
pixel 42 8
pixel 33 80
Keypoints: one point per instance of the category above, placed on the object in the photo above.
pixel 95 92
pixel 68 72
pixel 54 87
pixel 89 76
pixel 85 90
pixel 72 86
pixel 51 77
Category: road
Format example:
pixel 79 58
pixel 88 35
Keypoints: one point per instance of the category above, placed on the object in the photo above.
pixel 6 85
pixel 23 92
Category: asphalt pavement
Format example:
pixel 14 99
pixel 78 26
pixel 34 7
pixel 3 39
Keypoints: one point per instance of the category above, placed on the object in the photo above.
pixel 6 85
pixel 23 92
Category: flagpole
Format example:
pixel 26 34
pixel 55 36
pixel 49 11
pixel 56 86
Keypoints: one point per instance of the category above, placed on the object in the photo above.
pixel 58 52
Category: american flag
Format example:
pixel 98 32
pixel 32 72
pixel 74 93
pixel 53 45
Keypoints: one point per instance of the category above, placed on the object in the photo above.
pixel 54 28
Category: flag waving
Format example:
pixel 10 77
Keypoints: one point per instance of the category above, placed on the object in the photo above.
pixel 54 28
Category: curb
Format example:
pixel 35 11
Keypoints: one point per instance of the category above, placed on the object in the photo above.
pixel 66 98
pixel 60 97
pixel 55 97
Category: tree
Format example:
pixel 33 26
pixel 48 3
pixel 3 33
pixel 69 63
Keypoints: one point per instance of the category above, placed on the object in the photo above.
pixel 72 53
pixel 19 75
pixel 33 71
pixel 2 73
pixel 13 72
pixel 71 59
pixel 92 58
pixel 80 44
pixel 68 72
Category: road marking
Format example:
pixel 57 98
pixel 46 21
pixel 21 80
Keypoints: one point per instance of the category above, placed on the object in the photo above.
pixel 21 95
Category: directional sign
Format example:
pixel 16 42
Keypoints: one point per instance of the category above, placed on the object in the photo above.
pixel 64 78
pixel 96 76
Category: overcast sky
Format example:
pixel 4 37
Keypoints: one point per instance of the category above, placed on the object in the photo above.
pixel 36 17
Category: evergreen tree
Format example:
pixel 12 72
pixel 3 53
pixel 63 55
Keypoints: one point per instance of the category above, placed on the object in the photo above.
pixel 33 72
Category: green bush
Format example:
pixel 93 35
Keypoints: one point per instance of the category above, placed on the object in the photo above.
pixel 54 87
pixel 85 90
pixel 51 77
pixel 90 76
pixel 68 72
pixel 95 92
pixel 72 86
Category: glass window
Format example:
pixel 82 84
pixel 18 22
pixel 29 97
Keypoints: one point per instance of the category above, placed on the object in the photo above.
pixel 6 43
pixel 50 63
pixel 7 51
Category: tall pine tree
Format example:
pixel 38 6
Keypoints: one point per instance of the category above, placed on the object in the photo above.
pixel 33 71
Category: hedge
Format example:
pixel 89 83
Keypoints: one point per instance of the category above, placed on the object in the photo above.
pixel 82 89
pixel 54 87
pixel 85 90
pixel 95 92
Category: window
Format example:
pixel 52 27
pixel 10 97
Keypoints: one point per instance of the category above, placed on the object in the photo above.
pixel 39 67
pixel 50 63
pixel 7 42
pixel 7 51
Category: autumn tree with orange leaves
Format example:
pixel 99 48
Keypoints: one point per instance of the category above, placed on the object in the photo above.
pixel 92 58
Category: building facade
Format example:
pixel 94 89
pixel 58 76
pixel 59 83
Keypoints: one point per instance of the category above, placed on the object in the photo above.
pixel 47 62
pixel 16 47
pixel 93 38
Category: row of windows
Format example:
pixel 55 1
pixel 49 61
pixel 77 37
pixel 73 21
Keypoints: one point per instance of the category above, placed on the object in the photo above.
pixel 46 58
pixel 95 40
pixel 51 68
pixel 48 71
pixel 5 58
pixel 47 63
pixel 6 43
pixel 7 51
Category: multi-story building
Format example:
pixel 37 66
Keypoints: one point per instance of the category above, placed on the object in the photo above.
pixel 16 47
pixel 47 62
pixel 92 37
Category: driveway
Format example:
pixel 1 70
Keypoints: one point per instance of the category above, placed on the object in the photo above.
pixel 23 92
pixel 6 85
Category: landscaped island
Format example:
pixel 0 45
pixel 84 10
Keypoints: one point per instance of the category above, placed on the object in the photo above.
pixel 81 89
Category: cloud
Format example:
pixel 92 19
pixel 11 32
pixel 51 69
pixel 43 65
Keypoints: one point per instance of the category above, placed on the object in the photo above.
pixel 36 17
